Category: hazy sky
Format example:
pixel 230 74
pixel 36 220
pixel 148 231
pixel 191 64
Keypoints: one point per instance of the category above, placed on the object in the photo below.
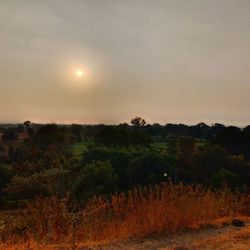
pixel 168 61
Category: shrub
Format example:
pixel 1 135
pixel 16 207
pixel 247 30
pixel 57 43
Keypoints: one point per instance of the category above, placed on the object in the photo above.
pixel 225 177
pixel 48 182
pixel 148 169
pixel 118 157
pixel 95 178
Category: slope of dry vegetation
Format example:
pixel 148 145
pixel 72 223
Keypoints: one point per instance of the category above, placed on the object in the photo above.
pixel 165 208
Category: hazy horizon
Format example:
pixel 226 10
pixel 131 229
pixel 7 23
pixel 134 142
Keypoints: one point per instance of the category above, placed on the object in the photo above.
pixel 89 61
pixel 128 122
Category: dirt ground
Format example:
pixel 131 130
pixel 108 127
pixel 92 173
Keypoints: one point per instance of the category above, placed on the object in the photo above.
pixel 226 238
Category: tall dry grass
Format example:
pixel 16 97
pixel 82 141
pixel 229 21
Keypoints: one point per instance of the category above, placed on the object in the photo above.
pixel 164 208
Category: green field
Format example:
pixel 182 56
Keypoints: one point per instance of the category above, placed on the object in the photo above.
pixel 80 147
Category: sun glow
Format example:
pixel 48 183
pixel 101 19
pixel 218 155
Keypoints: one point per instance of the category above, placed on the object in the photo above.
pixel 79 73
pixel 76 76
pixel 79 77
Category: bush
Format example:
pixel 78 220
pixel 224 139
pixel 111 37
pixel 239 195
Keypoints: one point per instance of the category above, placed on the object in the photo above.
pixel 208 162
pixel 97 177
pixel 225 177
pixel 5 176
pixel 148 169
pixel 48 182
pixel 119 159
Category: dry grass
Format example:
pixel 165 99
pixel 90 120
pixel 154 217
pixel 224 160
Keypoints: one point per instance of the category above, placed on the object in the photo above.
pixel 166 208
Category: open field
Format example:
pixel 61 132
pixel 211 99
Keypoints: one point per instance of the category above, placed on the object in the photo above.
pixel 80 147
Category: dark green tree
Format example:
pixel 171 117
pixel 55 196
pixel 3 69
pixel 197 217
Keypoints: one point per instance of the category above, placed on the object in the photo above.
pixel 96 178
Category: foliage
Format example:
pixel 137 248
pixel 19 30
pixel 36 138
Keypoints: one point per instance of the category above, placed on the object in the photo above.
pixel 118 157
pixel 121 136
pixel 77 131
pixel 111 135
pixel 30 158
pixel 95 178
pixel 209 161
pixel 9 135
pixel 148 169
pixel 47 182
pixel 226 177
pixel 48 134
pixel 132 155
pixel 138 122
pixel 5 176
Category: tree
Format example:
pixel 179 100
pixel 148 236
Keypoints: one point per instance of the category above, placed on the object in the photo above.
pixel 225 177
pixel 5 176
pixel 112 135
pixel 20 128
pixel 96 178
pixel 118 157
pixel 139 135
pixel 9 135
pixel 28 128
pixel 216 129
pixel 208 162
pixel 138 122
pixel 238 165
pixel 76 130
pixel 200 130
pixel 231 139
pixel 246 142
pixel 30 158
pixel 149 169
pixel 186 149
pixel 185 152
pixel 47 182
pixel 27 124
pixel 48 134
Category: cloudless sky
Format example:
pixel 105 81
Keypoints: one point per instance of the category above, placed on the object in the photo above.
pixel 166 60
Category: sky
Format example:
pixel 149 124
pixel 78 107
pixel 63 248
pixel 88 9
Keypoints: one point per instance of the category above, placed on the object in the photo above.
pixel 169 61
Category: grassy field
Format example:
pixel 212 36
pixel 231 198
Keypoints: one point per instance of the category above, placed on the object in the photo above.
pixel 80 147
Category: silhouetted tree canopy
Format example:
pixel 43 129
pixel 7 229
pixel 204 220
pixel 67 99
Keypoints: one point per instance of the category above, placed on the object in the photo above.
pixel 138 122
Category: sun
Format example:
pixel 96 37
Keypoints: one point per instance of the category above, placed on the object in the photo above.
pixel 79 73
pixel 79 76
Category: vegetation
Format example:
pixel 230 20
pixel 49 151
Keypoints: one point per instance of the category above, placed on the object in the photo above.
pixel 99 182
pixel 140 212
